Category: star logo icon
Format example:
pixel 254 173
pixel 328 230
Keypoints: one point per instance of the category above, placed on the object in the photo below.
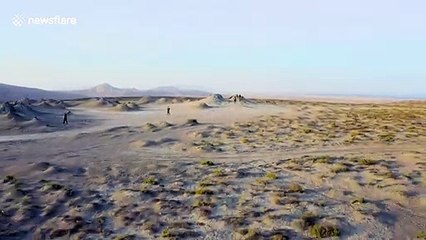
pixel 18 20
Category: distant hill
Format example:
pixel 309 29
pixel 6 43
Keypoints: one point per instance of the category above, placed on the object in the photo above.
pixel 106 90
pixel 13 93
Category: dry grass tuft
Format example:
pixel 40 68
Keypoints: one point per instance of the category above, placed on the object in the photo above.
pixel 9 179
pixel 421 234
pixel 150 180
pixel 339 167
pixel 295 187
pixel 207 163
pixel 271 175
pixel 324 231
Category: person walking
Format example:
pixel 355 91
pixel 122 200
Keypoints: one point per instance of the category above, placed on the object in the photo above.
pixel 168 110
pixel 65 118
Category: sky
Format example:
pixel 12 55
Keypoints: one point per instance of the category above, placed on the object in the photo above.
pixel 353 47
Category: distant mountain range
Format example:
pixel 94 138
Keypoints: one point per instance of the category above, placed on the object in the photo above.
pixel 11 92
pixel 106 90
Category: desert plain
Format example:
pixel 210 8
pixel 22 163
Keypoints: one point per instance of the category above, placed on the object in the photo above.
pixel 212 169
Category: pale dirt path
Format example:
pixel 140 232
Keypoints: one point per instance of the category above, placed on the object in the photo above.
pixel 98 116
pixel 107 119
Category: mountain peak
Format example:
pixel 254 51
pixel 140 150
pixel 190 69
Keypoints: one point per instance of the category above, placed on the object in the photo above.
pixel 104 85
pixel 104 88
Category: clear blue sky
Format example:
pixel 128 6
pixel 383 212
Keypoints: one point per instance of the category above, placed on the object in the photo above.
pixel 303 46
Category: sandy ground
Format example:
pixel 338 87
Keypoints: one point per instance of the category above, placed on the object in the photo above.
pixel 213 169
